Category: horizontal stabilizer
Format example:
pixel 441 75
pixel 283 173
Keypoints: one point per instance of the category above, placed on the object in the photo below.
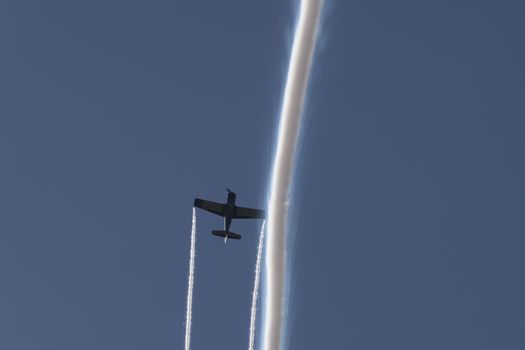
pixel 225 234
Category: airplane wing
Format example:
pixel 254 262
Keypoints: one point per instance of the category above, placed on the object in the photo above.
pixel 212 207
pixel 248 213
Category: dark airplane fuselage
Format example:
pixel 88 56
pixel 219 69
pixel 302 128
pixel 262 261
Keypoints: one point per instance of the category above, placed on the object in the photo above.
pixel 229 208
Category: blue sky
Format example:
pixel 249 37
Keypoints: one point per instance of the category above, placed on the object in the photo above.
pixel 114 115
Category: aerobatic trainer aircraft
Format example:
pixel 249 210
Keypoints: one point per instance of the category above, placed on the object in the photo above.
pixel 229 211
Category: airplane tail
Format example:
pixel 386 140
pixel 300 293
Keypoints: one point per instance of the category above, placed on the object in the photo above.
pixel 225 234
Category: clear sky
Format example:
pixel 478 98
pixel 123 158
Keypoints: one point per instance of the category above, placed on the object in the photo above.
pixel 410 211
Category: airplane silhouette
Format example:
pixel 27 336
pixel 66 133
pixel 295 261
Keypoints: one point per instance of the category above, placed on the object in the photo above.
pixel 229 211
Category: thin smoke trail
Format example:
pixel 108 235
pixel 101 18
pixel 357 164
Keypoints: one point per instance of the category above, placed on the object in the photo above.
pixel 289 127
pixel 190 280
pixel 253 317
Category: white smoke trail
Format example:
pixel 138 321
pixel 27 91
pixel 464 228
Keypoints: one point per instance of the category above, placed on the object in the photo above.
pixel 190 280
pixel 289 127
pixel 255 294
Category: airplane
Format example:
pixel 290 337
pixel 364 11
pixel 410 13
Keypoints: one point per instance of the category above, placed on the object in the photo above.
pixel 229 211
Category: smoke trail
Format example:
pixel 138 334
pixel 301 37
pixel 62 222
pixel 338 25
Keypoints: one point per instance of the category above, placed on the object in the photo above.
pixel 290 122
pixel 255 294
pixel 190 280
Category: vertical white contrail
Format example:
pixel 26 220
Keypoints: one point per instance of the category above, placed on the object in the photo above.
pixel 289 127
pixel 190 280
pixel 255 294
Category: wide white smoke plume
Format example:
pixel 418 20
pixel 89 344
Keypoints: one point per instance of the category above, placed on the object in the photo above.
pixel 289 128
pixel 253 316
pixel 190 281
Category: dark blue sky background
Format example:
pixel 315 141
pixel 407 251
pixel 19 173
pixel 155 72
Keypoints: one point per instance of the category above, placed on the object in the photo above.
pixel 114 115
